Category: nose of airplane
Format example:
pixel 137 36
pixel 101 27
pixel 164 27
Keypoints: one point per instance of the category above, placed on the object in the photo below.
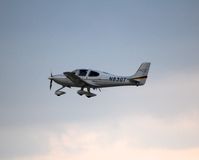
pixel 51 77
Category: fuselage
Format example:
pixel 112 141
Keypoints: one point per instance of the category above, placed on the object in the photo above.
pixel 100 79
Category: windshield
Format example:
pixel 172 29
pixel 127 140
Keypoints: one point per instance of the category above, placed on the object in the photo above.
pixel 83 72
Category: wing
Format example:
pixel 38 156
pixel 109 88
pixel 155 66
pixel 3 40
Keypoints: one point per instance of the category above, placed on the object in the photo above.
pixel 78 81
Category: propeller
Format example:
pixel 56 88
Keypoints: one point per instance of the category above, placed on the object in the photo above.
pixel 51 81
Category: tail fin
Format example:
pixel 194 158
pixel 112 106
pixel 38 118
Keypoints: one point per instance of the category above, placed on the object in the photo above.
pixel 139 78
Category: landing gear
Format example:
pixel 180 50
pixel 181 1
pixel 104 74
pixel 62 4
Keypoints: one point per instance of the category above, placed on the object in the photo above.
pixel 86 93
pixel 81 92
pixel 58 92
pixel 89 95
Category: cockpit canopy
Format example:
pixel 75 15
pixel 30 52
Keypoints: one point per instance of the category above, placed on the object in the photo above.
pixel 86 72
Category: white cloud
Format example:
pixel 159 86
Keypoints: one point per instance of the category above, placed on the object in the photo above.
pixel 140 137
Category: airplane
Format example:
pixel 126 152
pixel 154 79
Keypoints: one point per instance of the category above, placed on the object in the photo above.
pixel 94 79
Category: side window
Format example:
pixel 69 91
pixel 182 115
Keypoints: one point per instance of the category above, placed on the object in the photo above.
pixel 82 72
pixel 93 74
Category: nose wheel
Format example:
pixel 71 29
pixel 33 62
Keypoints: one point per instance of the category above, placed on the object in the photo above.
pixel 59 93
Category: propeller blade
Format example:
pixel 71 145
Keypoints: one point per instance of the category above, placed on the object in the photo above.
pixel 51 82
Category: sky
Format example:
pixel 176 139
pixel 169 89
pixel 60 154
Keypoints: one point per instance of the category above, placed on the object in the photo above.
pixel 156 121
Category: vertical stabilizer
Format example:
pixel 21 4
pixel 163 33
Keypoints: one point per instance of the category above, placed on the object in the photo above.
pixel 141 75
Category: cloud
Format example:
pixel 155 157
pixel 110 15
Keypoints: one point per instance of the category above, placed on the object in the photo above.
pixel 139 137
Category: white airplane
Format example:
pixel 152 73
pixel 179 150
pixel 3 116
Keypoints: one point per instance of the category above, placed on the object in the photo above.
pixel 93 79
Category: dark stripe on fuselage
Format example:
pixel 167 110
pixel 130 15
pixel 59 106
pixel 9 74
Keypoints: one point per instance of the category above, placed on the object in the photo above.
pixel 143 77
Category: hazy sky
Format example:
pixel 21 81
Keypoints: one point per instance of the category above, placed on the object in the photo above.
pixel 156 121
